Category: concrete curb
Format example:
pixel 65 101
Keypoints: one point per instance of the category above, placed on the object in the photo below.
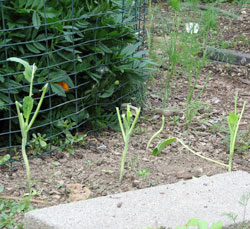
pixel 169 205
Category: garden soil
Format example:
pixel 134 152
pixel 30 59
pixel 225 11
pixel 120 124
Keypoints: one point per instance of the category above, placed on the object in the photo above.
pixel 96 165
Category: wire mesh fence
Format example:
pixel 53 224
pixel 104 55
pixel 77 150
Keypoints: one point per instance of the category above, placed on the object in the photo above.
pixel 89 51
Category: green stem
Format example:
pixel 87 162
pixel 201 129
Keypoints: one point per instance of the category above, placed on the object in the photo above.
pixel 206 158
pixel 32 78
pixel 157 133
pixel 134 122
pixel 38 107
pixel 233 137
pixel 120 123
pixel 26 162
pixel 124 154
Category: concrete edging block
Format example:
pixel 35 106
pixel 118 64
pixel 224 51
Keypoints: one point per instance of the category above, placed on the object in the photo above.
pixel 169 205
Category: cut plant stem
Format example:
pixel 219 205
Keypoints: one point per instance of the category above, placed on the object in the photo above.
pixel 26 162
pixel 124 154
pixel 127 133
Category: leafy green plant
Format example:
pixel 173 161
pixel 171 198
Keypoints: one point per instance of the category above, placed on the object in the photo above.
pixel 67 143
pixel 174 119
pixel 243 202
pixel 4 158
pixel 201 224
pixel 127 126
pixel 27 107
pixel 39 143
pixel 10 212
pixel 233 123
pixel 91 53
pixel 143 173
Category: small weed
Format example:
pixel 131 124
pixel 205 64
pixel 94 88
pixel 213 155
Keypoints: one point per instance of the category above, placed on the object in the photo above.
pixel 89 162
pixel 174 119
pixel 132 162
pixel 200 224
pixel 68 142
pixel 11 211
pixel 143 173
pixel 39 143
pixel 243 202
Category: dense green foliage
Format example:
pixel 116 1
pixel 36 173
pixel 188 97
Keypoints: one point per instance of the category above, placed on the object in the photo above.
pixel 91 46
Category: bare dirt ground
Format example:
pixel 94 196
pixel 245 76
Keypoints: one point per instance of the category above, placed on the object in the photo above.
pixel 96 165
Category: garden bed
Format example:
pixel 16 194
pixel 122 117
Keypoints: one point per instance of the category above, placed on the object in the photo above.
pixel 96 165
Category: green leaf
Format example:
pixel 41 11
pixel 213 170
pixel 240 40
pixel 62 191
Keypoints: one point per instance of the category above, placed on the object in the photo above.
pixel 4 159
pixel 36 20
pixel 192 222
pixel 58 90
pixel 27 106
pixel 181 227
pixel 71 151
pixel 50 12
pixel 37 4
pixel 43 144
pixel 217 225
pixel 104 48
pixel 108 92
pixel 28 3
pixel 232 120
pixel 28 68
pixel 162 145
pixel 31 48
pixel 130 49
pixel 39 46
pixel 203 224
pixel 1 79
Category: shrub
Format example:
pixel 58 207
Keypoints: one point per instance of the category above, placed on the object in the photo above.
pixel 87 50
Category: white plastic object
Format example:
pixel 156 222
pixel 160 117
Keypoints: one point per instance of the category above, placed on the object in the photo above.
pixel 192 27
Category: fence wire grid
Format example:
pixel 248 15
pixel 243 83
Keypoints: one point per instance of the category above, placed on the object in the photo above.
pixel 87 50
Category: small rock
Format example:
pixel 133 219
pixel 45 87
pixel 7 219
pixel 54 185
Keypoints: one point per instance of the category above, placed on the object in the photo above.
pixel 58 173
pixel 197 172
pixel 136 183
pixel 155 117
pixel 64 160
pixel 57 197
pixel 102 147
pixel 183 174
pixel 215 100
pixel 119 204
pixel 61 182
pixel 99 162
pixel 239 162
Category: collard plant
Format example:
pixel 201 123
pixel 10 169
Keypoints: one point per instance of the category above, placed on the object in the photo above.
pixel 91 51
pixel 24 111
